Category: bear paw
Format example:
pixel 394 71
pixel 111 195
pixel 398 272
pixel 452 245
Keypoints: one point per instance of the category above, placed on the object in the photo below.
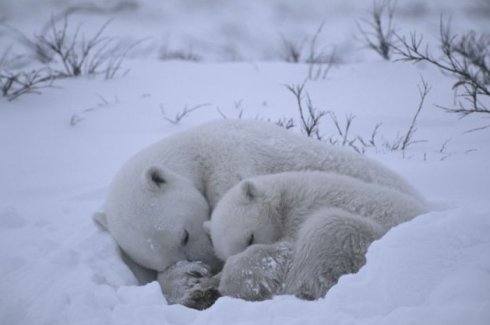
pixel 203 295
pixel 256 273
pixel 189 284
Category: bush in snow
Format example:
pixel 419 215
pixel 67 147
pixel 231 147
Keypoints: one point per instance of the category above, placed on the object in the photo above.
pixel 319 60
pixel 63 52
pixel 186 111
pixel 378 32
pixel 466 58
pixel 310 116
pixel 16 83
pixel 402 143
pixel 78 55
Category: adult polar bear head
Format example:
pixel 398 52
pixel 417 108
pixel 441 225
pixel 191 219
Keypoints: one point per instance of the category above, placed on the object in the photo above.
pixel 154 233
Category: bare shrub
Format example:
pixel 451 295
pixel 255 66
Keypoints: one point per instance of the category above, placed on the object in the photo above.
pixel 186 111
pixel 424 89
pixel 344 136
pixel 402 142
pixel 377 33
pixel 319 69
pixel 310 116
pixel 237 106
pixel 43 54
pixel 292 50
pixel 80 55
pixel 319 61
pixel 15 84
pixel 465 58
pixel 309 51
pixel 370 142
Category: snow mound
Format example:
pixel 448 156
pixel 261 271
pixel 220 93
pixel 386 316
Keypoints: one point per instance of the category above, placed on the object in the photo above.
pixel 432 270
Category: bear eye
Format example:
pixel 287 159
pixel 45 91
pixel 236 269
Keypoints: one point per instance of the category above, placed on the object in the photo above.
pixel 185 238
pixel 157 178
pixel 250 240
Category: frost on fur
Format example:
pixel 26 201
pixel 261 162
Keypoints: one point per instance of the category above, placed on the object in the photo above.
pixel 328 221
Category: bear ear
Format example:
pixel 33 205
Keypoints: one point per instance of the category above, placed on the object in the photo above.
pixel 249 190
pixel 100 219
pixel 154 178
pixel 207 227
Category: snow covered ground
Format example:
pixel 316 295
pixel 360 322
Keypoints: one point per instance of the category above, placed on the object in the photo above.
pixel 60 149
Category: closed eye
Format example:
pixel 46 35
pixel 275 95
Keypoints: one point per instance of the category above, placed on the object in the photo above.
pixel 250 240
pixel 185 238
pixel 210 239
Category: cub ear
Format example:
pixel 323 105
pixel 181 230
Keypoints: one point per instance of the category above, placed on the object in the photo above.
pixel 100 219
pixel 154 178
pixel 207 227
pixel 249 190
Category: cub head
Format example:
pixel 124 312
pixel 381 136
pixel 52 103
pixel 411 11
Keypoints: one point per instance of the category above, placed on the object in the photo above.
pixel 245 215
pixel 156 217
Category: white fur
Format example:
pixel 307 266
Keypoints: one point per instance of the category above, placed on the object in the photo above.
pixel 197 167
pixel 330 218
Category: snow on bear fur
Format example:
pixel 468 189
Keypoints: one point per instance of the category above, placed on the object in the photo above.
pixel 160 198
pixel 310 227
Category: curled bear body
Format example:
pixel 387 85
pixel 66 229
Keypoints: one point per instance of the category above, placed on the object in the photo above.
pixel 327 220
pixel 159 199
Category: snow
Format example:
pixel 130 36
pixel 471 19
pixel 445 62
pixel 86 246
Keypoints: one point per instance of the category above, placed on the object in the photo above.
pixel 58 267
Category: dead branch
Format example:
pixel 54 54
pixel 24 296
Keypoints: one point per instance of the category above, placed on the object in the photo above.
pixel 80 55
pixel 13 85
pixel 183 113
pixel 378 32
pixel 424 89
pixel 343 132
pixel 464 58
pixel 477 129
pixel 310 116
pixel 310 52
pixel 292 50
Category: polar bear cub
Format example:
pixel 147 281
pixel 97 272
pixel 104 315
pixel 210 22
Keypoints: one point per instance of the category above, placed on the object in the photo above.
pixel 327 220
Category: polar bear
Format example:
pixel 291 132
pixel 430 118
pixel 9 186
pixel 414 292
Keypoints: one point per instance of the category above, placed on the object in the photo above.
pixel 159 199
pixel 320 223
